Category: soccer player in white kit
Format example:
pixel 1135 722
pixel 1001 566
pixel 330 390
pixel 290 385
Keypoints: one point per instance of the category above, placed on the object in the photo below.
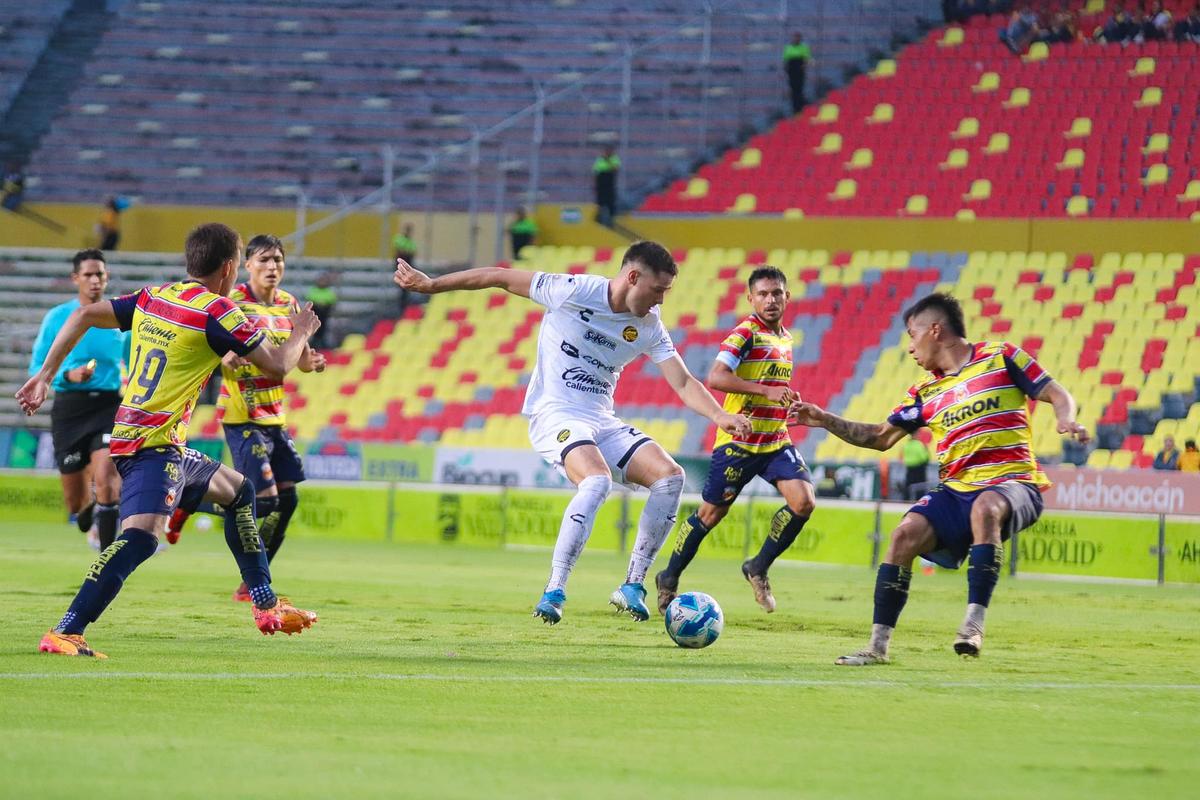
pixel 593 328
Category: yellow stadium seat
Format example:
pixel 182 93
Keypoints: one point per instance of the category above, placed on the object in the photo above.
pixel 1095 6
pixel 1080 127
pixel 745 204
pixel 957 159
pixel 1038 51
pixel 1018 98
pixel 1121 459
pixel 1156 175
pixel 751 158
pixel 845 189
pixel 967 127
pixel 830 143
pixel 697 187
pixel 1099 458
pixel 1192 192
pixel 793 213
pixel 883 112
pixel 965 215
pixel 988 82
pixel 1159 143
pixel 1072 159
pixel 1077 206
pixel 917 205
pixel 826 114
pixel 953 37
pixel 861 159
pixel 981 189
pixel 1144 66
pixel 997 144
pixel 1151 96
pixel 884 69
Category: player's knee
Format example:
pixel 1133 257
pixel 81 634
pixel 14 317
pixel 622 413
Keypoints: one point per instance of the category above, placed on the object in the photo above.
pixel 988 510
pixel 803 507
pixel 598 485
pixel 671 484
pixel 710 515
pixel 907 541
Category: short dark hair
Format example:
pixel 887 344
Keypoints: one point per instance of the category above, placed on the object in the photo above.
pixel 264 241
pixel 1190 443
pixel 766 272
pixel 208 247
pixel 653 256
pixel 91 254
pixel 945 305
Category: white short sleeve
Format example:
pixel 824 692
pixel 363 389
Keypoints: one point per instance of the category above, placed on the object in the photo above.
pixel 663 348
pixel 552 290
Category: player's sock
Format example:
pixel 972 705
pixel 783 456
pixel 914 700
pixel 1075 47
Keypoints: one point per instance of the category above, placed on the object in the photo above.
pixel 278 521
pixel 891 593
pixel 983 573
pixel 106 523
pixel 207 507
pixel 654 526
pixel 241 535
pixel 576 527
pixel 785 527
pixel 687 543
pixel 105 578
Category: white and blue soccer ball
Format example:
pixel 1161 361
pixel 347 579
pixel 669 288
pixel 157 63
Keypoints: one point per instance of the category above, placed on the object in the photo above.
pixel 694 620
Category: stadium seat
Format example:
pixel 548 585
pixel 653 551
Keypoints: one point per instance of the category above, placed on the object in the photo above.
pixel 1077 206
pixel 968 127
pixel 882 113
pixel 981 189
pixel 861 159
pixel 956 159
pixel 751 158
pixel 953 37
pixel 830 143
pixel 1081 127
pixel 827 114
pixel 886 68
pixel 965 215
pixel 1158 143
pixel 998 143
pixel 745 204
pixel 988 82
pixel 793 213
pixel 1038 51
pixel 1144 66
pixel 846 189
pixel 1156 175
pixel 1072 159
pixel 696 188
pixel 1151 96
pixel 1192 192
pixel 1018 98
pixel 916 205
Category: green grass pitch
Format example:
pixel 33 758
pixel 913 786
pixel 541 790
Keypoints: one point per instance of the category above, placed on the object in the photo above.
pixel 427 677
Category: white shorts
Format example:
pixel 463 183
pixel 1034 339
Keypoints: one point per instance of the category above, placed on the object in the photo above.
pixel 556 433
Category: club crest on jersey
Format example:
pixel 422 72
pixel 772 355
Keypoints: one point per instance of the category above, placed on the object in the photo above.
pixel 630 333
pixel 729 494
pixel 563 435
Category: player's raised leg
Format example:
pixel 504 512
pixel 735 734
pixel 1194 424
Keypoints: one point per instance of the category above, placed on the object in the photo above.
pixel 786 524
pixel 651 467
pixel 912 537
pixel 586 468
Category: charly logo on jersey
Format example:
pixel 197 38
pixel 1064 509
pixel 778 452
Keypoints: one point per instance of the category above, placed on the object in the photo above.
pixel 563 435
pixel 630 334
pixel 581 380
pixel 600 339
pixel 569 349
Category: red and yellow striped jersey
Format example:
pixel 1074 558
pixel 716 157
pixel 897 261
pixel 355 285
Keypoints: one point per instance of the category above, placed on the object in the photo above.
pixel 180 331
pixel 980 418
pixel 756 353
pixel 247 395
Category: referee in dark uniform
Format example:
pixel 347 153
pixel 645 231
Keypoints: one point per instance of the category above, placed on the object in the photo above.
pixel 87 392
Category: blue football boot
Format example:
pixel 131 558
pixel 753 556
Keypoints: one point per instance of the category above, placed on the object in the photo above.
pixel 631 597
pixel 550 607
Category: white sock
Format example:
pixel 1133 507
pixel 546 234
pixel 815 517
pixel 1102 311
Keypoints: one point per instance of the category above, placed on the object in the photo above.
pixel 576 527
pixel 975 615
pixel 881 638
pixel 655 525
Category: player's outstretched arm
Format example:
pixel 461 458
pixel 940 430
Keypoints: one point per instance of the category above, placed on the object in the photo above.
pixel 278 360
pixel 698 399
pixel 879 436
pixel 95 315
pixel 513 281
pixel 1064 411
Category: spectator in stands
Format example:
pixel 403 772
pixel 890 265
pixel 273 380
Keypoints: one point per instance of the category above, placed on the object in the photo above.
pixel 795 63
pixel 1188 28
pixel 403 247
pixel 1060 29
pixel 1189 459
pixel 1157 24
pixel 12 190
pixel 108 227
pixel 605 170
pixel 1168 457
pixel 323 299
pixel 1021 30
pixel 1119 28
pixel 523 231
pixel 916 464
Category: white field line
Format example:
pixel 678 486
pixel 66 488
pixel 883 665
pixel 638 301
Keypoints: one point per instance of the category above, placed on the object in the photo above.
pixel 578 679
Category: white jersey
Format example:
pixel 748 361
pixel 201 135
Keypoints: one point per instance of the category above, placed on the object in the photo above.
pixel 583 345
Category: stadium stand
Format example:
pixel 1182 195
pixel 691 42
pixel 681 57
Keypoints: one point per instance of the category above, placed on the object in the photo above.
pixel 25 28
pixel 203 102
pixel 956 125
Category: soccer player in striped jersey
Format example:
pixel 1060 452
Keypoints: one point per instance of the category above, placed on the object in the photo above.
pixel 180 332
pixel 754 368
pixel 251 405
pixel 975 402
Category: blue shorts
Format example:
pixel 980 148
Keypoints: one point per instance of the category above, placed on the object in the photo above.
pixel 264 454
pixel 949 512
pixel 158 479
pixel 732 468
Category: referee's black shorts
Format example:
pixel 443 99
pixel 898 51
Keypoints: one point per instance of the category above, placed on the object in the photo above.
pixel 80 424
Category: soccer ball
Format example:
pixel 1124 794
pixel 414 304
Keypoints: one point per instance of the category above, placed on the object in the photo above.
pixel 694 620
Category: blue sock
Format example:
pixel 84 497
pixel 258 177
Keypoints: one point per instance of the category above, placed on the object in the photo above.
pixel 687 542
pixel 983 572
pixel 275 526
pixel 106 523
pixel 785 527
pixel 105 578
pixel 241 535
pixel 891 593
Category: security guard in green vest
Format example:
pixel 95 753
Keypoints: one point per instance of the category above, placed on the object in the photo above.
pixel 795 61
pixel 523 231
pixel 605 170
